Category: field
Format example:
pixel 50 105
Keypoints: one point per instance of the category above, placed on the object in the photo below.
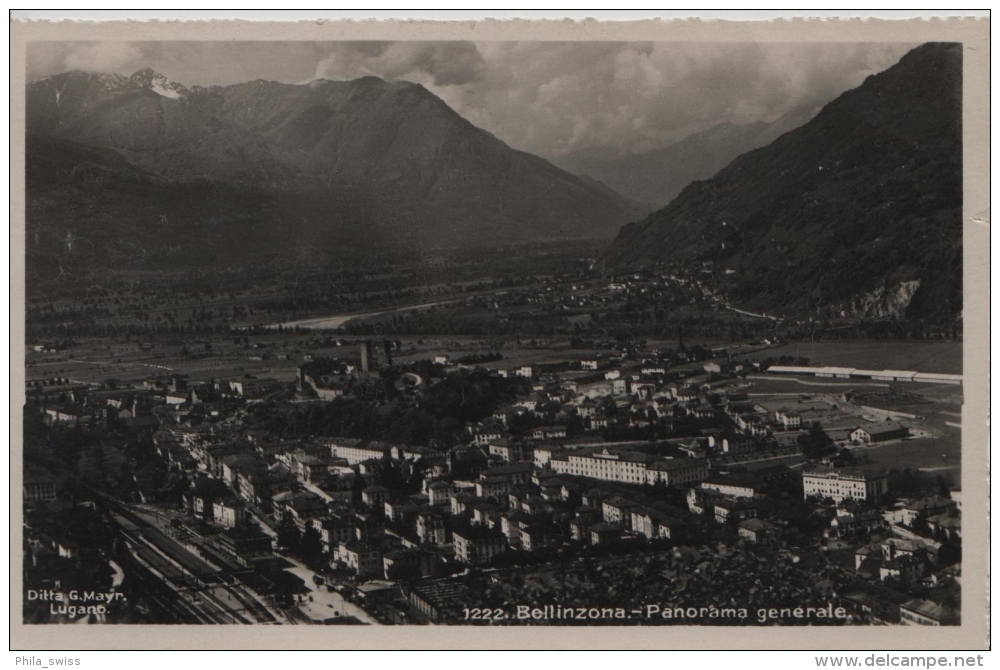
pixel 94 360
pixel 790 461
pixel 927 455
pixel 945 357
pixel 807 385
pixel 931 412
pixel 937 408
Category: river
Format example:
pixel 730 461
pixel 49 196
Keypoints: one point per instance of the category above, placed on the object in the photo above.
pixel 331 322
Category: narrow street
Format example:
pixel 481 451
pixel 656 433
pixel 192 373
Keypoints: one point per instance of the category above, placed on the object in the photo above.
pixel 324 604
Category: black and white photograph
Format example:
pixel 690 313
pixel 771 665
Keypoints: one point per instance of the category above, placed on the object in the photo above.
pixel 494 333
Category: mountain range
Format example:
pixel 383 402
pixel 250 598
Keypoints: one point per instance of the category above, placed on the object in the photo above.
pixel 658 175
pixel 854 210
pixel 332 166
pixel 857 212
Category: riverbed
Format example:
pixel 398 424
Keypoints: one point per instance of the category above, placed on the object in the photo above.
pixel 332 322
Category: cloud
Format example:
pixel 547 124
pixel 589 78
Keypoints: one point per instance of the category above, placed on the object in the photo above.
pixel 553 97
pixel 189 63
pixel 436 63
pixel 548 98
pixel 103 56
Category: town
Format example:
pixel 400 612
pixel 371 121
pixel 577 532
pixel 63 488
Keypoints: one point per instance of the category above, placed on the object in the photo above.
pixel 297 476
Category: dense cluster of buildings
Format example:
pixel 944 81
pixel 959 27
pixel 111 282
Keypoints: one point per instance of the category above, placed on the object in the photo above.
pixel 601 453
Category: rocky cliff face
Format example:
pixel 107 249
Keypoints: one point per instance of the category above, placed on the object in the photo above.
pixel 884 302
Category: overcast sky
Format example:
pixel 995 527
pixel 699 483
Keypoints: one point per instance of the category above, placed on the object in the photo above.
pixel 544 97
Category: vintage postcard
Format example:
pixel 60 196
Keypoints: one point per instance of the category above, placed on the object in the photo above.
pixel 500 334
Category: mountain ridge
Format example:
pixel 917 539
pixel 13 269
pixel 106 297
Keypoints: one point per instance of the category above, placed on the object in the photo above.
pixel 431 177
pixel 859 201
pixel 658 175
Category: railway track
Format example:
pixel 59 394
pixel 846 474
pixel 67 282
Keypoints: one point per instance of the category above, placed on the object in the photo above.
pixel 198 593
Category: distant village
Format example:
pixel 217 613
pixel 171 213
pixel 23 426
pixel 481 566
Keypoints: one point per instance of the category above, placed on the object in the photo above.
pixel 577 482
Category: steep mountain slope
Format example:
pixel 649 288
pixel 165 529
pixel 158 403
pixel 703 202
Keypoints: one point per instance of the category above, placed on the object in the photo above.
pixel 432 178
pixel 859 210
pixel 90 212
pixel 658 175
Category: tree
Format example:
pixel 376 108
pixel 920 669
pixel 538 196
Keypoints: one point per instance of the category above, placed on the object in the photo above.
pixel 949 553
pixel 574 426
pixel 289 536
pixel 816 443
pixel 311 545
pixel 919 524
pixel 357 487
pixel 388 474
pixel 659 485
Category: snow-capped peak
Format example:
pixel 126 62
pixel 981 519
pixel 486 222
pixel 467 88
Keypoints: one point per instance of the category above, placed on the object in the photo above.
pixel 112 82
pixel 156 82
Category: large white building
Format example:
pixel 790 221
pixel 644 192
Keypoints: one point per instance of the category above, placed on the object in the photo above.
pixel 858 373
pixel 228 512
pixel 629 467
pixel 476 545
pixel 735 486
pixel 845 484
pixel 677 471
pixel 362 558
pixel 607 464
pixel 789 419
pixel 356 451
